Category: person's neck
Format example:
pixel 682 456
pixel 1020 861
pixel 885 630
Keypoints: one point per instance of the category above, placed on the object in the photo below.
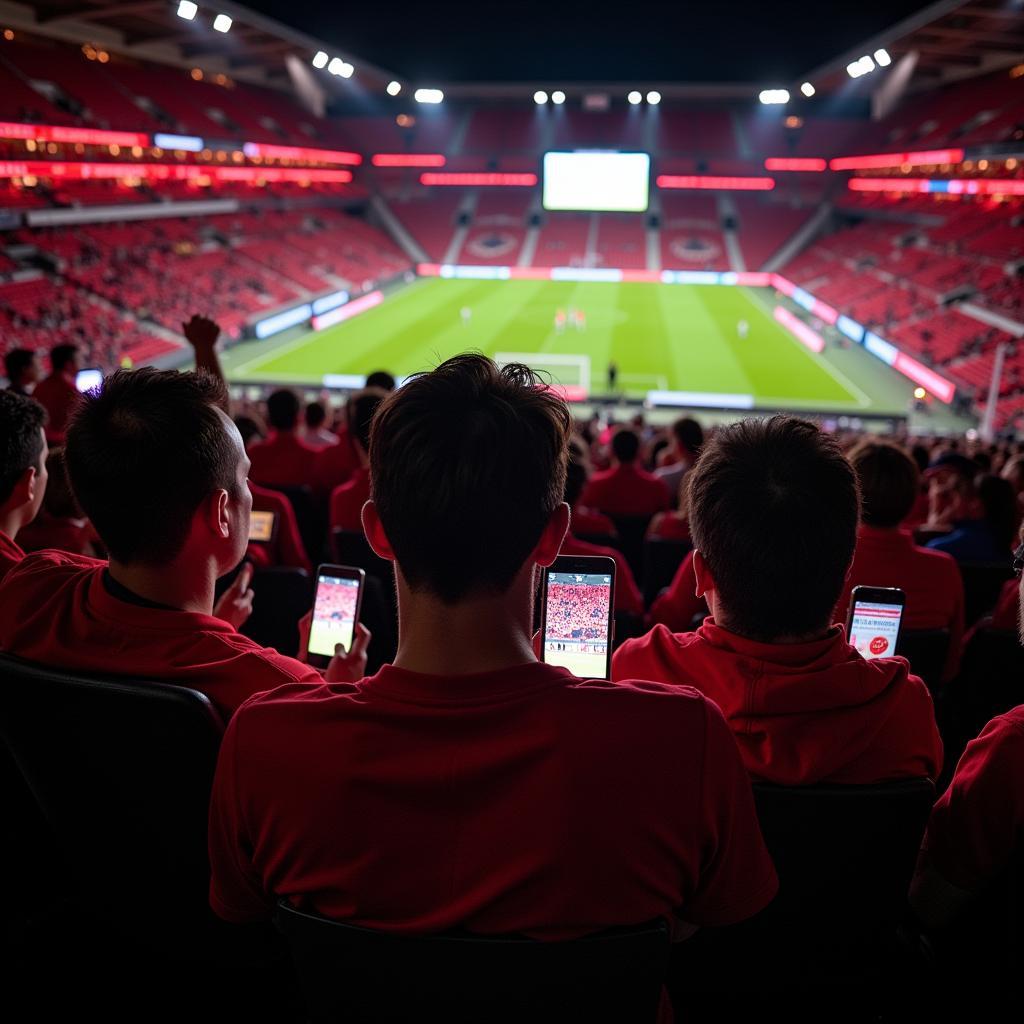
pixel 485 633
pixel 188 590
pixel 721 618
pixel 11 521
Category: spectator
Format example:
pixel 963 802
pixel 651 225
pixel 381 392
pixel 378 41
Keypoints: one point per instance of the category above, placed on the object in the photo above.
pixel 160 470
pixel 686 441
pixel 585 522
pixel 628 598
pixel 381 379
pixel 283 459
pixel 675 523
pixel 60 524
pixel 980 510
pixel 286 548
pixel 23 472
pixel 57 394
pixel 773 511
pixel 886 556
pixel 347 501
pixel 23 370
pixel 317 435
pixel 626 489
pixel 467 464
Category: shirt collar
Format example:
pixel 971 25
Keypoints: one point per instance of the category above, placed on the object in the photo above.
pixel 828 648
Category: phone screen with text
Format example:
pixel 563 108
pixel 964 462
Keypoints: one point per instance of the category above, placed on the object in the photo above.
pixel 874 628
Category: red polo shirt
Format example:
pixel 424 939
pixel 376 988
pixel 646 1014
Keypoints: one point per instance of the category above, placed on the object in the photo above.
pixel 522 800
pixel 283 460
pixel 801 713
pixel 58 396
pixel 10 554
pixel 591 523
pixel 347 501
pixel 669 526
pixel 56 610
pixel 628 598
pixel 46 531
pixel 627 490
pixel 678 606
pixel 930 579
pixel 286 548
pixel 977 827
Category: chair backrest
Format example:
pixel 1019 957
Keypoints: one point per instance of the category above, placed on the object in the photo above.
pixel 122 771
pixel 630 540
pixel 926 650
pixel 350 547
pixel 310 516
pixel 983 583
pixel 662 559
pixel 281 596
pixel 349 973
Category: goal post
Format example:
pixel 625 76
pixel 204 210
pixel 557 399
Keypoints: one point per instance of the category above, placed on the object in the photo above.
pixel 568 370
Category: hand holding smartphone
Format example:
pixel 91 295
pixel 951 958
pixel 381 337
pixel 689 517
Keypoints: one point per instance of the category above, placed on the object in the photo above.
pixel 873 625
pixel 336 607
pixel 576 629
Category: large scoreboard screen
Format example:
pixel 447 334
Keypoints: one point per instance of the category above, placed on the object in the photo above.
pixel 597 181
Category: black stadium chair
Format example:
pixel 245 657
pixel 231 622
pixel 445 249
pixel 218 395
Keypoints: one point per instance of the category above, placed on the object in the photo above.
pixel 926 650
pixel 310 515
pixel 630 540
pixel 370 977
pixel 983 582
pixel 662 559
pixel 350 547
pixel 281 596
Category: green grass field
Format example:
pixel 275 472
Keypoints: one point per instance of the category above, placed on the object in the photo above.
pixel 674 337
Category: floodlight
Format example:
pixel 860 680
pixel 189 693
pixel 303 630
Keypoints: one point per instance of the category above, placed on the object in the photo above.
pixel 634 97
pixel 347 70
pixel 394 88
pixel 558 97
pixel 222 23
pixel 773 96
pixel 320 60
pixel 187 10
pixel 428 96
pixel 540 97
pixel 335 65
pixel 807 89
pixel 654 97
pixel 882 58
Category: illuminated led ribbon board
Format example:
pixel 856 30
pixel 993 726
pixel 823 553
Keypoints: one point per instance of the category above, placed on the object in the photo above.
pixel 59 169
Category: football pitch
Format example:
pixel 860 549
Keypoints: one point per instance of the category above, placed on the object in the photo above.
pixel 661 337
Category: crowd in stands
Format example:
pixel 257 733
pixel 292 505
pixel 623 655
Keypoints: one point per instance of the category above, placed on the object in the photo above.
pixel 468 478
pixel 576 611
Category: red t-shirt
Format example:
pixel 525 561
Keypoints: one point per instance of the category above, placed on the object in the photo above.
pixel 977 827
pixel 678 606
pixel 627 490
pixel 669 526
pixel 628 598
pixel 10 554
pixel 347 501
pixel 801 713
pixel 591 523
pixel 518 801
pixel 46 531
pixel 286 548
pixel 283 460
pixel 56 610
pixel 930 579
pixel 1006 615
pixel 58 396
pixel 336 464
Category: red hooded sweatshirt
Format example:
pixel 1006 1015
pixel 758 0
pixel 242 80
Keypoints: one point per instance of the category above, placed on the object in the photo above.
pixel 801 713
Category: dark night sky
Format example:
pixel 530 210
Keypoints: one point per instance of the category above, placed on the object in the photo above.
pixel 465 40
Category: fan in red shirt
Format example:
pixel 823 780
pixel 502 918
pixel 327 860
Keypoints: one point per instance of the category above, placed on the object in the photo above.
pixel 23 473
pixel 886 556
pixel 347 501
pixel 286 547
pixel 57 394
pixel 283 459
pixel 160 470
pixel 494 783
pixel 773 510
pixel 626 489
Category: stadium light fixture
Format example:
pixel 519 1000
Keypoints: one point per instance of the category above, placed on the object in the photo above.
pixel 773 97
pixel 882 58
pixel 558 97
pixel 634 98
pixel 340 68
pixel 863 66
pixel 187 10
pixel 347 70
pixel 540 97
pixel 654 97
pixel 428 96
pixel 320 60
pixel 394 88
pixel 807 89
pixel 222 23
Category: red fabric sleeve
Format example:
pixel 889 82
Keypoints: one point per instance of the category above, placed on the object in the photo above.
pixel 679 604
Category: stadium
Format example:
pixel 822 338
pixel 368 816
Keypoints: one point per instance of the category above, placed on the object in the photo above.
pixel 728 301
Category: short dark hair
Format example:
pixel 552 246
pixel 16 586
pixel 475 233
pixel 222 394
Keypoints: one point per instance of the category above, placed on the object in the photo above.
pixel 16 362
pixel 381 379
pixel 21 439
pixel 283 409
pixel 689 434
pixel 315 414
pixel 143 452
pixel 625 444
pixel 889 482
pixel 361 409
pixel 467 464
pixel 61 355
pixel 773 511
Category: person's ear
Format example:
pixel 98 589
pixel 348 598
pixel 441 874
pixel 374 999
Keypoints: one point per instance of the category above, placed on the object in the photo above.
pixel 705 581
pixel 217 517
pixel 25 488
pixel 374 530
pixel 550 542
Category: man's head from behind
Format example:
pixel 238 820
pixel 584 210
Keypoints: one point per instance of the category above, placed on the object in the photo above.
pixel 688 436
pixel 773 514
pixel 625 446
pixel 889 482
pixel 22 460
pixel 468 471
pixel 360 412
pixel 160 469
pixel 22 367
pixel 65 359
pixel 283 409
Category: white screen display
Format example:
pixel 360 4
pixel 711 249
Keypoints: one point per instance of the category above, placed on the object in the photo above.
pixel 597 181
pixel 874 628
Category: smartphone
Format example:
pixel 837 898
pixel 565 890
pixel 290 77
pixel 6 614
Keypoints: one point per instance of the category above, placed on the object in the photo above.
pixel 336 608
pixel 873 626
pixel 87 380
pixel 262 526
pixel 576 624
